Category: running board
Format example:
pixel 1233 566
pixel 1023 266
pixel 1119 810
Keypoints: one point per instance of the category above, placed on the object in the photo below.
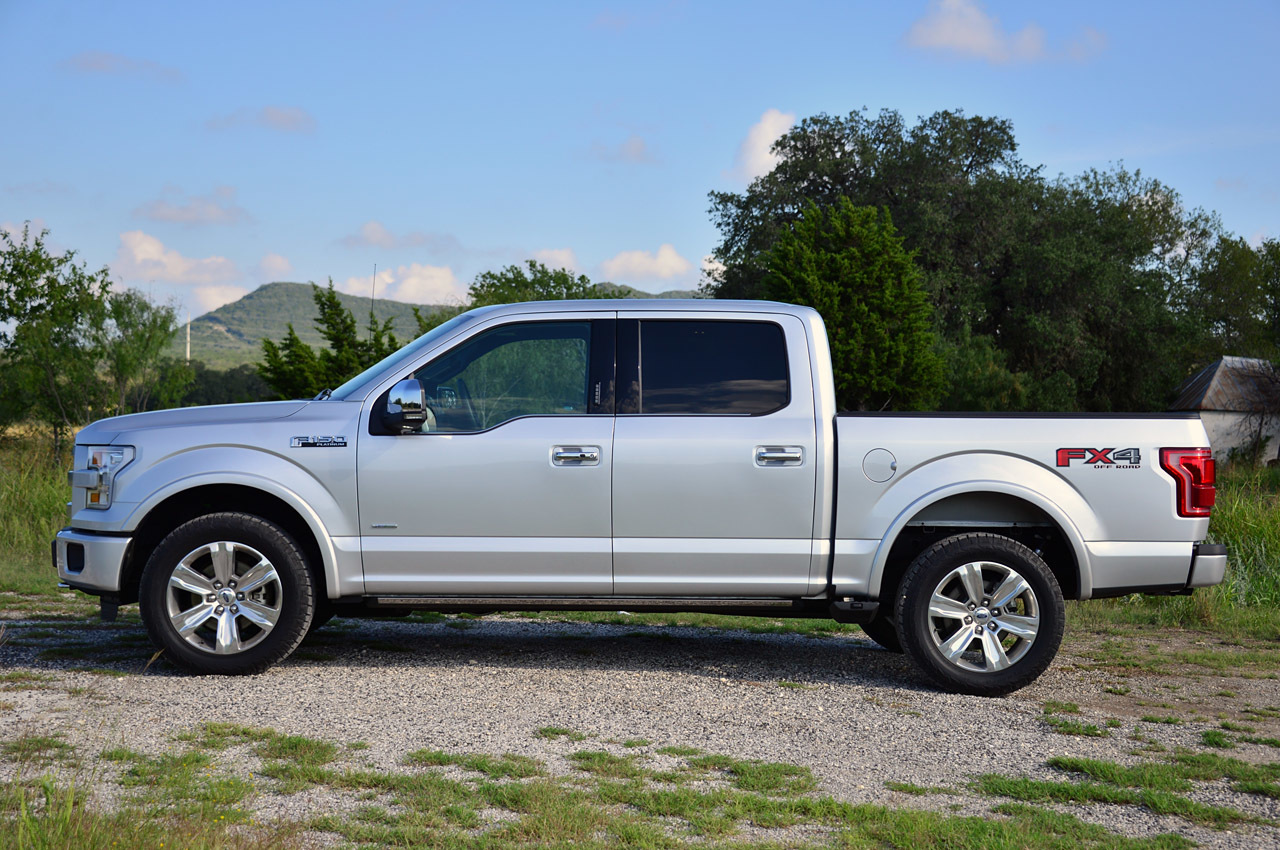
pixel 639 605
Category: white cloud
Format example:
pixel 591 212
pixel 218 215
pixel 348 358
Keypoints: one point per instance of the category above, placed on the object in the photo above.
pixel 755 159
pixel 415 283
pixel 372 233
pixel 214 296
pixel 646 265
pixel 633 150
pixel 557 258
pixel 283 119
pixel 219 207
pixel 142 257
pixel 114 64
pixel 964 28
pixel 375 234
pixel 274 267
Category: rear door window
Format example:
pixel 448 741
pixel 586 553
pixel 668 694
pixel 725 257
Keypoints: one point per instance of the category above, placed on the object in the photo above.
pixel 709 368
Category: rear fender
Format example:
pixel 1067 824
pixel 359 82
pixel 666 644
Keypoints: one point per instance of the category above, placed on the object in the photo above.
pixel 959 475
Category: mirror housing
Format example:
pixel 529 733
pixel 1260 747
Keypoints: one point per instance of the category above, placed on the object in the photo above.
pixel 406 407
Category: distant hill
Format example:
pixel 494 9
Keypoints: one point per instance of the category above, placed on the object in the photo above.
pixel 233 334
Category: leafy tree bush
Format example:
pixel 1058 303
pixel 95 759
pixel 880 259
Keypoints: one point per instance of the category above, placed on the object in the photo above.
pixel 848 263
pixel 71 348
pixel 1096 292
pixel 294 369
pixel 513 284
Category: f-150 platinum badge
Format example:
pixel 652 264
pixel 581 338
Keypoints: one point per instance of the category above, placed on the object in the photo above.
pixel 317 442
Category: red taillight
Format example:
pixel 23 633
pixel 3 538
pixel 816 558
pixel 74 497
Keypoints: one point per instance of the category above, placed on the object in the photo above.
pixel 1193 470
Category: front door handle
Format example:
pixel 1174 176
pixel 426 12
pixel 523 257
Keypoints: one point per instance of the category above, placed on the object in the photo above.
pixel 779 455
pixel 575 455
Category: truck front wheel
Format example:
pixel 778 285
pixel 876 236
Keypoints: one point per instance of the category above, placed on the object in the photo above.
pixel 227 593
pixel 980 614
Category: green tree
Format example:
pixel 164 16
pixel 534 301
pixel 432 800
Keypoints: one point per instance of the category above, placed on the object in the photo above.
pixel 71 348
pixel 291 367
pixel 226 386
pixel 849 264
pixel 49 307
pixel 294 369
pixel 130 343
pixel 513 284
pixel 1066 294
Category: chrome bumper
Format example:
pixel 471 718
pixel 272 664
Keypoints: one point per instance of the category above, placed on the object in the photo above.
pixel 1208 565
pixel 89 561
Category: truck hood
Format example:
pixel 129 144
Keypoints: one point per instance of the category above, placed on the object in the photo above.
pixel 105 431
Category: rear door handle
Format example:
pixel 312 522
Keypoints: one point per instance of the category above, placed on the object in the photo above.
pixel 575 456
pixel 779 455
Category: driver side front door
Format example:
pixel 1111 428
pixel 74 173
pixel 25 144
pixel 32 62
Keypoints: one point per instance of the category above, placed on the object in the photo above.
pixel 508 493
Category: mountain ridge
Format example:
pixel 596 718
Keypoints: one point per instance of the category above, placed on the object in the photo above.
pixel 232 334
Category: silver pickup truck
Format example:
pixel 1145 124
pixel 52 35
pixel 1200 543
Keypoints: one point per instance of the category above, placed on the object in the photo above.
pixel 639 455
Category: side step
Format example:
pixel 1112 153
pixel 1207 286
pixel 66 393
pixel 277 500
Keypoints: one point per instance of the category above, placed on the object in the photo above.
pixel 845 611
pixel 747 606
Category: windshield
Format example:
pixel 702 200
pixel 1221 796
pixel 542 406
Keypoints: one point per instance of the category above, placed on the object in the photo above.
pixel 408 352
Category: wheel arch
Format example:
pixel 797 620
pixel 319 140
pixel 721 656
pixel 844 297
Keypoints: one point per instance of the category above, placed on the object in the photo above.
pixel 167 511
pixel 999 507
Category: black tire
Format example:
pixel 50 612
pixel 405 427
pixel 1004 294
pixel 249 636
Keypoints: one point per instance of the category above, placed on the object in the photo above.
pixel 323 613
pixel 884 631
pixel 227 594
pixel 1011 638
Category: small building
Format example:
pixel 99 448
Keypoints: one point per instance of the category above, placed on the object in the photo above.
pixel 1238 399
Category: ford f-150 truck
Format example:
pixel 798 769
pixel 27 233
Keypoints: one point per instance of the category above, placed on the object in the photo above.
pixel 640 455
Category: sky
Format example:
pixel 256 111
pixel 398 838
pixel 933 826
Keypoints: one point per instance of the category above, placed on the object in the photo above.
pixel 202 149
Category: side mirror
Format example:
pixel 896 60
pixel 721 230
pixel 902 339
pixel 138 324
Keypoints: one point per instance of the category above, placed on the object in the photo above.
pixel 406 407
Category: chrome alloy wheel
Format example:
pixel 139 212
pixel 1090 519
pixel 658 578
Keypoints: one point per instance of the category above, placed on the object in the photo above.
pixel 224 597
pixel 983 616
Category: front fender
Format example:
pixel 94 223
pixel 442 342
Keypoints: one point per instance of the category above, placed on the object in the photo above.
pixel 318 502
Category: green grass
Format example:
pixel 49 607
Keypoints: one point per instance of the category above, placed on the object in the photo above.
pixel 551 733
pixel 1247 604
pixel 1157 786
pixel 37 749
pixel 44 812
pixel 1217 739
pixel 33 498
pixel 506 766
pixel 1069 726
pixel 512 802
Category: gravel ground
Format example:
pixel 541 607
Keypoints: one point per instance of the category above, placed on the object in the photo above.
pixel 857 715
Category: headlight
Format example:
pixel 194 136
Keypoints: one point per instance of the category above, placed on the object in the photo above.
pixel 105 462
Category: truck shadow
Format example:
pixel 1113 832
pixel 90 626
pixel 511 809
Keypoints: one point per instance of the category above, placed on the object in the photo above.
pixel 721 654
pixel 123 649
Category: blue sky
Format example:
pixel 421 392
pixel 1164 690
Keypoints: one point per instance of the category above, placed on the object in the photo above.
pixel 201 149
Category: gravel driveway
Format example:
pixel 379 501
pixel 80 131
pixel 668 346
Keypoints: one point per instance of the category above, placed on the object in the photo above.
pixel 855 714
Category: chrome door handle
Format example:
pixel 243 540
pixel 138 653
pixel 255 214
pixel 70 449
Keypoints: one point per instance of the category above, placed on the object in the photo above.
pixel 778 455
pixel 575 455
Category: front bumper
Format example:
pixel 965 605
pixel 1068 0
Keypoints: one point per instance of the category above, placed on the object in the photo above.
pixel 1208 565
pixel 89 561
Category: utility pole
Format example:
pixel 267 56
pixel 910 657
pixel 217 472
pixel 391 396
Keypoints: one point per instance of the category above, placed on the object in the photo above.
pixel 373 287
pixel 188 336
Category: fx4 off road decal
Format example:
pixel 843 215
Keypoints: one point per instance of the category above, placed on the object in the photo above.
pixel 1102 458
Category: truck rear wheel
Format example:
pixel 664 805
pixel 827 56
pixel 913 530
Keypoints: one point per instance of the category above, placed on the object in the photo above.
pixel 227 593
pixel 980 614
